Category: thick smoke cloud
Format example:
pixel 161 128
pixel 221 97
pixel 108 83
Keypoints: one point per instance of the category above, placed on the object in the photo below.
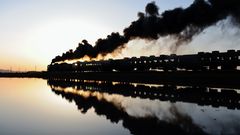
pixel 102 46
pixel 181 24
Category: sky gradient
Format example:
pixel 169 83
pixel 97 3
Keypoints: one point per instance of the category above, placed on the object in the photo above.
pixel 33 32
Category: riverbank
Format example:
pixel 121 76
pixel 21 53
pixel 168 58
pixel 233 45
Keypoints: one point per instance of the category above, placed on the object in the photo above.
pixel 225 79
pixel 33 74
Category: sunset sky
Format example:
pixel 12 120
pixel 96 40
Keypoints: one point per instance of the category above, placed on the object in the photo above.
pixel 32 32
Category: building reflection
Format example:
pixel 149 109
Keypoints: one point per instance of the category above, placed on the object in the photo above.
pixel 215 97
pixel 98 95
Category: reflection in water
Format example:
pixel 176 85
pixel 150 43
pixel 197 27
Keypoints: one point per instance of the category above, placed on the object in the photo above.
pixel 199 95
pixel 147 110
pixel 29 107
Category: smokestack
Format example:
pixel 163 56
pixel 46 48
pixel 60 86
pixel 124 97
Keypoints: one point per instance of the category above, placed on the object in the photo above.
pixel 182 24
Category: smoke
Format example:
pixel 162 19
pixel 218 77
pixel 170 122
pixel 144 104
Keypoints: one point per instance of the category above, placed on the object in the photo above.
pixel 102 47
pixel 224 36
pixel 179 24
pixel 182 24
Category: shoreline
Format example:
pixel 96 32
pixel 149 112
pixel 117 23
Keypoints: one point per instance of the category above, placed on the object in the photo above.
pixel 225 79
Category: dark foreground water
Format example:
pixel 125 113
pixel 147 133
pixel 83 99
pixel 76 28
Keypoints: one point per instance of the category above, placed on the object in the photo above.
pixel 41 107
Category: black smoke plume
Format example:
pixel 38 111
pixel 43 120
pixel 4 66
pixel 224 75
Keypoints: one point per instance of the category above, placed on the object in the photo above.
pixel 103 47
pixel 181 24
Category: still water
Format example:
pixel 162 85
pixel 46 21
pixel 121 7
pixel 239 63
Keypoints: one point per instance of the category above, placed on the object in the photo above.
pixel 41 107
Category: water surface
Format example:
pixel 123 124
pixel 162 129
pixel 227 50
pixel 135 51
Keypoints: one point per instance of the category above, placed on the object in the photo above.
pixel 37 107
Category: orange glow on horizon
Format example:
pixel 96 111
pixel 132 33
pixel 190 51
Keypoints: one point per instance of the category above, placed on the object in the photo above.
pixel 86 58
pixel 21 64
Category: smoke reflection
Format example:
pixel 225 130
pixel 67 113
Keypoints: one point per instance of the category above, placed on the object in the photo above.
pixel 151 116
